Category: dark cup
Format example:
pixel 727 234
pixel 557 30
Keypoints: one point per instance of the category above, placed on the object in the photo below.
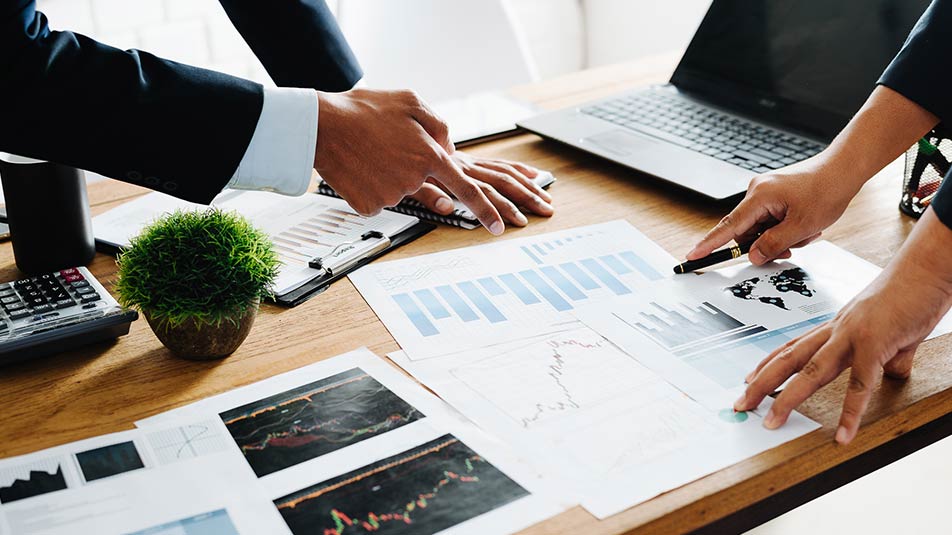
pixel 48 214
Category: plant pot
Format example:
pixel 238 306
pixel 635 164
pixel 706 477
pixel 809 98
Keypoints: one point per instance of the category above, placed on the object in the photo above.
pixel 193 341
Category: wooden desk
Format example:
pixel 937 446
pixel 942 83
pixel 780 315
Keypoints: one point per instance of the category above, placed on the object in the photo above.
pixel 104 388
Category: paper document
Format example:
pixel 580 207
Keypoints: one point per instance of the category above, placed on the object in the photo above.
pixel 706 332
pixel 466 298
pixel 351 441
pixel 594 418
pixel 301 227
pixel 482 114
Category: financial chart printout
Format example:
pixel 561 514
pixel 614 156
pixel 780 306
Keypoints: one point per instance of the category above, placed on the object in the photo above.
pixel 461 299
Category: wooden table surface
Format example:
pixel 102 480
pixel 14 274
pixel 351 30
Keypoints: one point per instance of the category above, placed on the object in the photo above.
pixel 106 387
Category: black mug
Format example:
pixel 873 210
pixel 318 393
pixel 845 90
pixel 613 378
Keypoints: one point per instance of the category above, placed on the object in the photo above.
pixel 48 214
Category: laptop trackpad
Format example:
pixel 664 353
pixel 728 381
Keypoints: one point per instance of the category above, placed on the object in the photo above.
pixel 620 142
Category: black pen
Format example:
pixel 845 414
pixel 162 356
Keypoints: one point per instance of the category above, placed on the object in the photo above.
pixel 714 258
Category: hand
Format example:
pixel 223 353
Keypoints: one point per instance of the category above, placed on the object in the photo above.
pixel 508 185
pixel 788 208
pixel 877 331
pixel 376 147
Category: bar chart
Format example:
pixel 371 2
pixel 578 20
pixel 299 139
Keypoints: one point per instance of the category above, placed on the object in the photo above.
pixel 488 294
pixel 558 288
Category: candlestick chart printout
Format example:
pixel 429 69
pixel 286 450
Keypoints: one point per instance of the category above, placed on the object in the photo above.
pixel 451 301
pixel 297 425
pixel 423 490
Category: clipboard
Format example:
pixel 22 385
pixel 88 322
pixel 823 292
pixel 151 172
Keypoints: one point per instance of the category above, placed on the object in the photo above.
pixel 322 282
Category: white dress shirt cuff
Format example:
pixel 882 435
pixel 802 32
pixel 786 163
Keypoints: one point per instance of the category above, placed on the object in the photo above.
pixel 280 156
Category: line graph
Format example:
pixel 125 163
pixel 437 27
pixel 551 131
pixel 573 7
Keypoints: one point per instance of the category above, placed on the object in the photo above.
pixel 315 419
pixel 423 490
pixel 31 479
pixel 187 441
pixel 549 379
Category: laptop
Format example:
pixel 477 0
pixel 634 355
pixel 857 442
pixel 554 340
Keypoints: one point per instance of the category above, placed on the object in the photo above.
pixel 763 84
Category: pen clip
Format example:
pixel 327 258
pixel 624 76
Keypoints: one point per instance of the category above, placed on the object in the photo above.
pixel 346 255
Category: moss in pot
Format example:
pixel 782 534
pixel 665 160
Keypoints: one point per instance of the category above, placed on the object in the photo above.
pixel 198 277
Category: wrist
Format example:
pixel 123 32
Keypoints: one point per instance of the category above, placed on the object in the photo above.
pixel 925 256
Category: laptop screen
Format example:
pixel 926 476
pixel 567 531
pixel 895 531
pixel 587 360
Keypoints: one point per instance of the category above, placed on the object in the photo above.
pixel 806 64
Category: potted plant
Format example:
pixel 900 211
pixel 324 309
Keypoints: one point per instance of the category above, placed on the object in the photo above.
pixel 198 277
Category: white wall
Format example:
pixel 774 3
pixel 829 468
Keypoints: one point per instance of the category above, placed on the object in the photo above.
pixel 560 35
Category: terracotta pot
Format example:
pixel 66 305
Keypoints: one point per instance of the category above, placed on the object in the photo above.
pixel 203 342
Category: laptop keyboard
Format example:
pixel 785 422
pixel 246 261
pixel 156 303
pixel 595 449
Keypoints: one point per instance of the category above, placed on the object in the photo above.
pixel 669 116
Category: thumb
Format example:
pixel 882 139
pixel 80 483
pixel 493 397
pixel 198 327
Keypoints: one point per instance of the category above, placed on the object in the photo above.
pixel 775 241
pixel 900 366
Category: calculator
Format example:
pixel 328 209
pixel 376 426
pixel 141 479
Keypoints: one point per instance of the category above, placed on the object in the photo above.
pixel 56 312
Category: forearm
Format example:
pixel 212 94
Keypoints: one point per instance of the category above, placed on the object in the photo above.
pixel 885 127
pixel 926 258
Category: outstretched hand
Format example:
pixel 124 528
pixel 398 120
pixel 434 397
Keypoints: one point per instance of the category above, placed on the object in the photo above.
pixel 878 331
pixel 376 147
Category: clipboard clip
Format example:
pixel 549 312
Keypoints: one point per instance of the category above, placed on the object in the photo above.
pixel 346 255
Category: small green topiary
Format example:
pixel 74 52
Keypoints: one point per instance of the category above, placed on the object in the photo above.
pixel 205 266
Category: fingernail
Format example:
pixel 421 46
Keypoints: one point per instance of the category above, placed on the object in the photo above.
pixel 771 421
pixel 444 205
pixel 741 403
pixel 842 435
pixel 521 219
pixel 497 228
pixel 542 205
pixel 756 256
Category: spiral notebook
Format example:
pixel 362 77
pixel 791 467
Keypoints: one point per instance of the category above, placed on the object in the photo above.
pixel 461 217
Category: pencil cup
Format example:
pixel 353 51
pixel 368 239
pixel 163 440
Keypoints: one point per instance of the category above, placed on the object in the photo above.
pixel 48 214
pixel 927 163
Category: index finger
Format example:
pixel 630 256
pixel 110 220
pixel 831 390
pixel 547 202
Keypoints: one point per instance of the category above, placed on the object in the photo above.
pixel 470 194
pixel 737 223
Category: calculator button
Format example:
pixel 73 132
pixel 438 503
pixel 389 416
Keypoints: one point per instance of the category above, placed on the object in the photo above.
pixel 70 271
pixel 14 306
pixel 18 314
pixel 36 302
pixel 38 309
pixel 88 298
pixel 84 290
pixel 89 305
pixel 59 295
pixel 64 303
pixel 79 284
pixel 8 300
pixel 73 278
pixel 3 326
pixel 5 287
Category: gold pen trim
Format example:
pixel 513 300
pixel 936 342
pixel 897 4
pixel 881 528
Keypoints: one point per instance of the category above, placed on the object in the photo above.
pixel 735 252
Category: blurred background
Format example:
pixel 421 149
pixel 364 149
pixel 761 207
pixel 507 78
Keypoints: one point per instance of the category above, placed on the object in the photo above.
pixel 445 49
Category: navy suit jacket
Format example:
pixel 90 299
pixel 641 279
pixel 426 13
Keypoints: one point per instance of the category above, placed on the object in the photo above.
pixel 153 122
pixel 921 73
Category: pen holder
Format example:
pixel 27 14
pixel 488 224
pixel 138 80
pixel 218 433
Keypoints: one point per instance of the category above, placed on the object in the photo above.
pixel 48 214
pixel 927 163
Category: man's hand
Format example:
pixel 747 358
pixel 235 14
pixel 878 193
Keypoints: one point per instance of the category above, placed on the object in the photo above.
pixel 508 185
pixel 376 147
pixel 788 208
pixel 877 331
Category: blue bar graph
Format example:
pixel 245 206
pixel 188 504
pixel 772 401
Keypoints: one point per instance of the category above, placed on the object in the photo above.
pixel 523 293
pixel 491 286
pixel 549 246
pixel 539 249
pixel 615 264
pixel 432 304
pixel 531 254
pixel 546 291
pixel 607 278
pixel 482 303
pixel 563 283
pixel 558 242
pixel 456 303
pixel 580 276
pixel 416 316
pixel 638 263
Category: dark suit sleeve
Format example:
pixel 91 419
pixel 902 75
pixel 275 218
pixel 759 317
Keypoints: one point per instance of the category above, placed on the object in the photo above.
pixel 298 42
pixel 124 114
pixel 922 72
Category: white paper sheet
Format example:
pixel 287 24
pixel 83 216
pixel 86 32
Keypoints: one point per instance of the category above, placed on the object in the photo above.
pixel 594 418
pixel 706 332
pixel 462 299
pixel 343 420
pixel 301 228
